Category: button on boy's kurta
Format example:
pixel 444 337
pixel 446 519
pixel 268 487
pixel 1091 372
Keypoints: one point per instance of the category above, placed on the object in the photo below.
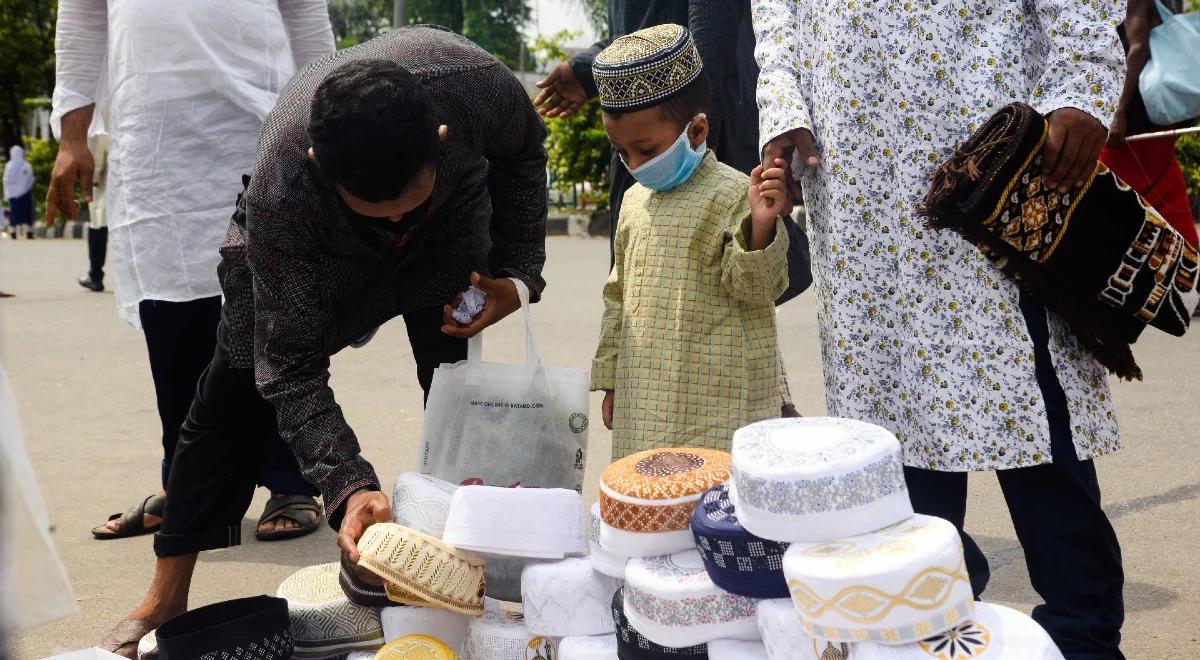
pixel 688 341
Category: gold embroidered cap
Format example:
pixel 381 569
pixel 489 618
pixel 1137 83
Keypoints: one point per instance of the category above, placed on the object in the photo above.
pixel 646 68
pixel 421 570
pixel 416 647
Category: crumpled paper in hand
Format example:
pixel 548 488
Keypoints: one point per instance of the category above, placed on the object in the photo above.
pixel 471 305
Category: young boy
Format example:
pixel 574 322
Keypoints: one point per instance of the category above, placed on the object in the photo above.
pixel 688 350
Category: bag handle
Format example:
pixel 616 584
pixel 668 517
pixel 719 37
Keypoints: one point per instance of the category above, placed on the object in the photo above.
pixel 1164 12
pixel 533 356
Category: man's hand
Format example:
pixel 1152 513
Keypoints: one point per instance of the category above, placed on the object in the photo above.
pixel 561 94
pixel 363 509
pixel 606 408
pixel 73 164
pixel 798 141
pixel 502 300
pixel 1073 143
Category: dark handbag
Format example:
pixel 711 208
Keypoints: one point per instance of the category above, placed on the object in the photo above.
pixel 799 263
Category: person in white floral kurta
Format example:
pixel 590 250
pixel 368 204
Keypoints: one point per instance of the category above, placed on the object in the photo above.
pixel 920 333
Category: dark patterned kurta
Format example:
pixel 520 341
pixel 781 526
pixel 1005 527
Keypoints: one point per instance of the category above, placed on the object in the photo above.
pixel 303 276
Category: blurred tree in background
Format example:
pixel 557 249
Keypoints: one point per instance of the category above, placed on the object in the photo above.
pixel 356 21
pixel 493 24
pixel 26 61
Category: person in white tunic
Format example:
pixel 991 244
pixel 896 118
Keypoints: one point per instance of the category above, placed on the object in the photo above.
pixel 920 333
pixel 182 88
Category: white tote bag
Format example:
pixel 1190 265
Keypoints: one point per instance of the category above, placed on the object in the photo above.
pixel 507 424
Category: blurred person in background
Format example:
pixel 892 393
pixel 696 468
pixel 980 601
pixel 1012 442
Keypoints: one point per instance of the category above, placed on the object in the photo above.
pixel 18 188
pixel 1149 166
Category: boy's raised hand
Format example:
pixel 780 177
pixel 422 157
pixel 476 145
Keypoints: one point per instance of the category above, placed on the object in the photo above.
pixel 769 199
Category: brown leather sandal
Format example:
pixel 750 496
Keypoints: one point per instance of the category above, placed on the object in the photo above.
pixel 133 521
pixel 300 509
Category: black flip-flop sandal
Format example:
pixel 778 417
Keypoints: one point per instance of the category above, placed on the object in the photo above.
pixel 294 508
pixel 133 521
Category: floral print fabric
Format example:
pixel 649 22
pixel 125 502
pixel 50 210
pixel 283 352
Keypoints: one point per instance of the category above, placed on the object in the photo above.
pixel 920 333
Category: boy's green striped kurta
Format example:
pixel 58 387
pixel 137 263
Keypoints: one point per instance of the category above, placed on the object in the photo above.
pixel 688 341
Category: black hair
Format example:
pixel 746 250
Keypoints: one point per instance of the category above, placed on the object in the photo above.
pixel 373 128
pixel 693 99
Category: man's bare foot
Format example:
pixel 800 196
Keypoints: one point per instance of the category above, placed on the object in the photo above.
pixel 166 598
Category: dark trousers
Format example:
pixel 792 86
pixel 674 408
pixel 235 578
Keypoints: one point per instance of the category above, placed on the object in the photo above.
pixel 180 339
pixel 1070 547
pixel 97 240
pixel 430 346
pixel 230 429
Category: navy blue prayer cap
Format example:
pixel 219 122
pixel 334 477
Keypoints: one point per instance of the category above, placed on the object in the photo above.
pixel 736 560
pixel 631 645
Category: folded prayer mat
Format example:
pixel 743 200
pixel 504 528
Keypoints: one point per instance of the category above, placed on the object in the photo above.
pixel 1098 256
pixel 255 627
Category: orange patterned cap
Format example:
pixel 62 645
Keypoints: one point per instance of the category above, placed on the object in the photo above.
pixel 667 474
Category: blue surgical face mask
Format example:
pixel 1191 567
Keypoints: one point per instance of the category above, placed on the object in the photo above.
pixel 672 167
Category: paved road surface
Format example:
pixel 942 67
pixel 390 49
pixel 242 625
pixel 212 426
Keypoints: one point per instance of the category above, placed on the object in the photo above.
pixel 87 407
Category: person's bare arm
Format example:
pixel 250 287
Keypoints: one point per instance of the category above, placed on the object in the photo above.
pixel 1137 33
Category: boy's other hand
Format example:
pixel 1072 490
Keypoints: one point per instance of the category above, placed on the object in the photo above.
pixel 606 409
pixel 768 200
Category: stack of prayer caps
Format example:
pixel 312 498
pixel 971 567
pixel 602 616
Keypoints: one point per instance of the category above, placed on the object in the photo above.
pixel 898 585
pixel 254 627
pixel 567 598
pixel 324 623
pixel 422 502
pixel 734 649
pixel 632 645
pixel 500 635
pixel 647 498
pixel 672 601
pixel 446 625
pixel 603 561
pixel 360 593
pixel 594 647
pixel 816 479
pixel 416 647
pixel 646 68
pixel 736 560
pixel 538 523
pixel 421 570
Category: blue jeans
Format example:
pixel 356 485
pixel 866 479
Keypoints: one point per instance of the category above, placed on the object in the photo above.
pixel 1071 550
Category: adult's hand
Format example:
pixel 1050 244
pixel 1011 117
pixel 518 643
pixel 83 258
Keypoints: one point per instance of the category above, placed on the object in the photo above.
pixel 1073 143
pixel 561 94
pixel 74 164
pixel 363 509
pixel 796 141
pixel 502 300
pixel 1117 129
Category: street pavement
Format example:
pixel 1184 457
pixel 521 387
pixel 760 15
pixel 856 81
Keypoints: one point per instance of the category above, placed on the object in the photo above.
pixel 87 408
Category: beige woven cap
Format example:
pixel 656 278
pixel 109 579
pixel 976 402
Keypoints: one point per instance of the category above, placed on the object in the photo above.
pixel 422 570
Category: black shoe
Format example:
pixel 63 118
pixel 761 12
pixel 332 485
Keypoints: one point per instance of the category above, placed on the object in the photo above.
pixel 88 283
